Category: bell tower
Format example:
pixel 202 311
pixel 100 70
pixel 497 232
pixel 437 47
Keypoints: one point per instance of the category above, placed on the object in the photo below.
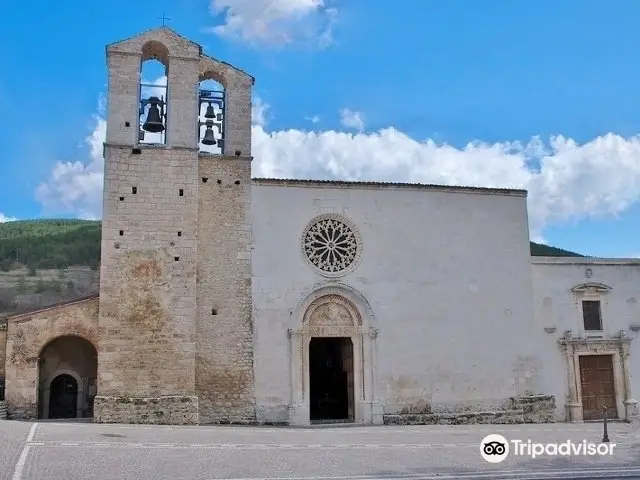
pixel 175 279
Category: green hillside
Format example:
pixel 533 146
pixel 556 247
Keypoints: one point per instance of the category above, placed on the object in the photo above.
pixel 540 250
pixel 54 244
pixel 49 244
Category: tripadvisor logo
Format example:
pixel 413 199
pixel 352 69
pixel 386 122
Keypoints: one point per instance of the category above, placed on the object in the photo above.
pixel 495 448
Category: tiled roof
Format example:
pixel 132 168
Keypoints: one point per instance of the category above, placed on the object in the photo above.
pixel 343 183
pixel 51 307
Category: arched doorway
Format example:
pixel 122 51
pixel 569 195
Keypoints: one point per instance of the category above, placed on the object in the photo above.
pixel 63 397
pixel 67 372
pixel 332 351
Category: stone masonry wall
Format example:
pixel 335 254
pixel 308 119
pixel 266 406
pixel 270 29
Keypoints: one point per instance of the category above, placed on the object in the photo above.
pixel 158 340
pixel 148 270
pixel 172 410
pixel 27 335
pixel 524 409
pixel 224 366
pixel 3 348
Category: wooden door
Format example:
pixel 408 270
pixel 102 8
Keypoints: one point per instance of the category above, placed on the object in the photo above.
pixel 596 378
pixel 347 366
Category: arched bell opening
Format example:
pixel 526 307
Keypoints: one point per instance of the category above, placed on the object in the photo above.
pixel 154 71
pixel 67 373
pixel 211 115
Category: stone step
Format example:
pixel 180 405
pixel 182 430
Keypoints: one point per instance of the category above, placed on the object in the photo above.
pixel 3 411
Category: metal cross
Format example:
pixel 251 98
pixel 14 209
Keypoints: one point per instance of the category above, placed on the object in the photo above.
pixel 164 19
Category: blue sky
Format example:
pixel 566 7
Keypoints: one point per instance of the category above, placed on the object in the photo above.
pixel 545 91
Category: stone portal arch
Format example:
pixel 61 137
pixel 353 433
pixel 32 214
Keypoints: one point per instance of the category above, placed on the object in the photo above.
pixel 73 356
pixel 334 312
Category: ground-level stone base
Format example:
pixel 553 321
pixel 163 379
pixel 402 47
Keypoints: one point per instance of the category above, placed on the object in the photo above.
pixel 527 409
pixel 21 411
pixel 167 410
pixel 3 410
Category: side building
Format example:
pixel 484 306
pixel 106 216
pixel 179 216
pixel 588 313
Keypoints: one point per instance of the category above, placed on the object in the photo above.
pixel 590 312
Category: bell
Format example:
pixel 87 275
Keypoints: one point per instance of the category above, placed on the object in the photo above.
pixel 154 121
pixel 208 137
pixel 210 112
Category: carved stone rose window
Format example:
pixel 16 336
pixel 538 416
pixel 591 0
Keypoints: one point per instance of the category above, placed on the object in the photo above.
pixel 331 245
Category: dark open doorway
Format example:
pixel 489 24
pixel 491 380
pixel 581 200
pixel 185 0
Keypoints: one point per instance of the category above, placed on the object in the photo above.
pixel 63 402
pixel 331 379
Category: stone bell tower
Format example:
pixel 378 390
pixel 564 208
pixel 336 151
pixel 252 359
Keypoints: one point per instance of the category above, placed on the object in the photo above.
pixel 175 292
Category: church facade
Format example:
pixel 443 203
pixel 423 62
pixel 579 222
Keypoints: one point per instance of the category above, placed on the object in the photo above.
pixel 227 299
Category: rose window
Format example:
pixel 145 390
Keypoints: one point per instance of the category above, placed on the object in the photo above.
pixel 330 245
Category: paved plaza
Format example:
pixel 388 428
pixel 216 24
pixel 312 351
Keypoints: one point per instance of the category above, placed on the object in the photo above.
pixel 69 451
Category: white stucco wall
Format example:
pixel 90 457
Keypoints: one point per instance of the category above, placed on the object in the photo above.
pixel 556 306
pixel 447 276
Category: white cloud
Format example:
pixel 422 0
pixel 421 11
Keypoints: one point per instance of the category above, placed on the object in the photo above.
pixel 259 111
pixel 600 177
pixel 275 22
pixel 313 118
pixel 76 187
pixel 352 119
pixel 4 218
pixel 573 181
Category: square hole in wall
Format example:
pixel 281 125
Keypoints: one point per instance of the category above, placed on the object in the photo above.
pixel 121 232
pixel 176 258
pixel 134 190
pixel 179 234
pixel 181 192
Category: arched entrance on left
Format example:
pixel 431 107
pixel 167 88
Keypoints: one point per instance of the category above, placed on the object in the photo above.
pixel 67 373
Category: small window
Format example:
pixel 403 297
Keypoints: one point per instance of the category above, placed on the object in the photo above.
pixel 592 315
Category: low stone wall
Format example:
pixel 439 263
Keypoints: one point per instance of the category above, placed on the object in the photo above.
pixel 536 408
pixel 169 410
pixel 3 410
pixel 21 410
pixel 527 409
